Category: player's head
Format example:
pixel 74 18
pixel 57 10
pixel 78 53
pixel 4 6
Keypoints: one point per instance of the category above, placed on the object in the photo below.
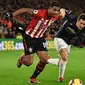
pixel 81 21
pixel 54 9
pixel 54 3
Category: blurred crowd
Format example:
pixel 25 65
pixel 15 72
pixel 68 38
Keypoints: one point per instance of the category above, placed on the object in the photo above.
pixel 77 7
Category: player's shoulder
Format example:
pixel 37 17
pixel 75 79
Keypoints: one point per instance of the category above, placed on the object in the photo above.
pixel 72 20
pixel 40 12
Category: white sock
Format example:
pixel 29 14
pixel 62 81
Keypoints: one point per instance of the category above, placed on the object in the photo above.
pixel 62 66
pixel 53 61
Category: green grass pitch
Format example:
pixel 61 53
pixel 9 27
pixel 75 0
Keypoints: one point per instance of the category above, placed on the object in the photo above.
pixel 11 75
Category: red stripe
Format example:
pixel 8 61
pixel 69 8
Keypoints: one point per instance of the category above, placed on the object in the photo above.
pixel 37 32
pixel 40 67
pixel 25 45
pixel 41 64
pixel 41 33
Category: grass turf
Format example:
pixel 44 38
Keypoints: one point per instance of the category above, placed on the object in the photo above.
pixel 11 75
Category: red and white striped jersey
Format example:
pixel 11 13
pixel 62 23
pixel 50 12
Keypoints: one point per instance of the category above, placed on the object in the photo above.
pixel 38 24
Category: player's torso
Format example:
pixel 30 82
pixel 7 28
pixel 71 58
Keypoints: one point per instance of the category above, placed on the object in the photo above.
pixel 38 26
pixel 68 31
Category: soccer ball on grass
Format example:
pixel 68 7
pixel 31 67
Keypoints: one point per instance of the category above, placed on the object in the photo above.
pixel 75 82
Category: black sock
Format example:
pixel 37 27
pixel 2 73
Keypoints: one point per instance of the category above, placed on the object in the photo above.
pixel 21 60
pixel 39 68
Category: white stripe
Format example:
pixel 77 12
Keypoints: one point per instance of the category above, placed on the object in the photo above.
pixel 39 33
pixel 43 32
pixel 36 27
pixel 27 31
pixel 45 28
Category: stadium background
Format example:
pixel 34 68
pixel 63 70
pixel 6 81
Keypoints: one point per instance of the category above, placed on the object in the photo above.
pixel 11 46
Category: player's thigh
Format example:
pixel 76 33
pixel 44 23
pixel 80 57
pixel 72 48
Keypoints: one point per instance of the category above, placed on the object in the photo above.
pixel 59 44
pixel 43 56
pixel 42 50
pixel 28 50
pixel 62 48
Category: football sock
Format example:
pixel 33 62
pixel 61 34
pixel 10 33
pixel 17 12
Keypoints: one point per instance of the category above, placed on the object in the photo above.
pixel 53 61
pixel 21 60
pixel 62 66
pixel 39 68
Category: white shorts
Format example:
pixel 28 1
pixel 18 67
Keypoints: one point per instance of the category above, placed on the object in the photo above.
pixel 60 43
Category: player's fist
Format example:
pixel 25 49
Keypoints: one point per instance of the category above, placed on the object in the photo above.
pixel 9 15
pixel 62 13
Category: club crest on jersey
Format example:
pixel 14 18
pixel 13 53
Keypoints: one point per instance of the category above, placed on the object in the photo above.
pixel 30 49
pixel 45 45
pixel 35 11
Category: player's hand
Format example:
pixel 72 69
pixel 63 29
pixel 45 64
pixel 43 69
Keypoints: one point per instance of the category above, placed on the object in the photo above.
pixel 62 13
pixel 9 15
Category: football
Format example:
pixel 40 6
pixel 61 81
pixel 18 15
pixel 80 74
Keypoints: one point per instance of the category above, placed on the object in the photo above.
pixel 75 82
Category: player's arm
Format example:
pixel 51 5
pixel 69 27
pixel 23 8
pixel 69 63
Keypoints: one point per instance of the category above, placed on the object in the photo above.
pixel 23 10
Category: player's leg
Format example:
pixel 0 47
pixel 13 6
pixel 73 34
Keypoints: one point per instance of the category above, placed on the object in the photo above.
pixel 43 56
pixel 63 61
pixel 53 61
pixel 63 49
pixel 19 62
pixel 28 57
pixel 40 66
pixel 62 64
pixel 27 60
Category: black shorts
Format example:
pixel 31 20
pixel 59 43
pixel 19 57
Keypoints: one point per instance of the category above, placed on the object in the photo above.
pixel 32 45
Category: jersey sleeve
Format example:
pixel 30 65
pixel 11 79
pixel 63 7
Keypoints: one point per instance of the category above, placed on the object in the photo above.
pixel 71 17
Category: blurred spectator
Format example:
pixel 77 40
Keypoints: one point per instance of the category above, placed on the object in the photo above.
pixel 12 5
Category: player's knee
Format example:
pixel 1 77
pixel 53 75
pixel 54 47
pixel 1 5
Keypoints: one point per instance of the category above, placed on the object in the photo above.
pixel 43 60
pixel 28 63
pixel 65 58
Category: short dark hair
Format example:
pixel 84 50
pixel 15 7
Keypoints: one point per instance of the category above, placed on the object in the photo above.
pixel 54 3
pixel 81 16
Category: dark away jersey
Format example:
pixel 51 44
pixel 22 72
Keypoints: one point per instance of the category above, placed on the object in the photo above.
pixel 68 31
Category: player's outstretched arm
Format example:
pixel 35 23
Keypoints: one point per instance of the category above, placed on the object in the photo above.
pixel 23 10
